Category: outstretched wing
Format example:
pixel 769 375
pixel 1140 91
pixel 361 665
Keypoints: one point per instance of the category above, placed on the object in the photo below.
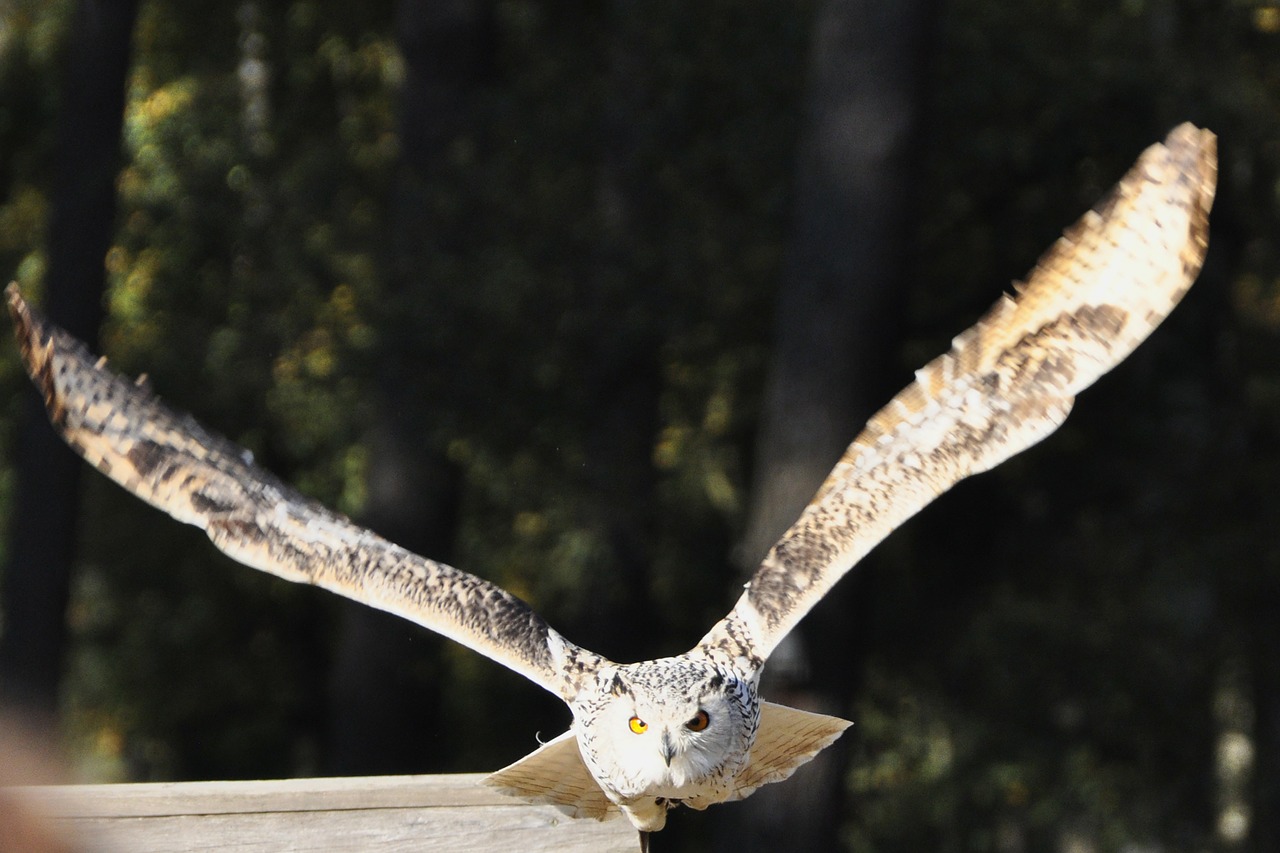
pixel 173 463
pixel 1007 383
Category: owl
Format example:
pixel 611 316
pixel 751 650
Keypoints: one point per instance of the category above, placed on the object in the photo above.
pixel 689 730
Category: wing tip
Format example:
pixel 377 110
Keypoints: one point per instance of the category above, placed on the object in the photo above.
pixel 25 325
pixel 34 347
pixel 1187 161
pixel 1189 140
pixel 1193 153
pixel 1178 173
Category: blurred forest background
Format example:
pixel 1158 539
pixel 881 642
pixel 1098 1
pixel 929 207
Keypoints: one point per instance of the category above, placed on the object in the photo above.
pixel 586 297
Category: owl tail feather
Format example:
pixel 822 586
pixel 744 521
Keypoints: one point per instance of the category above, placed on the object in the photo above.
pixel 787 738
pixel 554 775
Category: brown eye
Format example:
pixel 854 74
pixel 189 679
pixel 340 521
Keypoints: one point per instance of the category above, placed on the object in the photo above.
pixel 638 725
pixel 699 722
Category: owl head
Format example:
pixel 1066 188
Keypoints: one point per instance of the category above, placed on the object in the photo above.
pixel 665 730
pixel 660 728
pixel 673 731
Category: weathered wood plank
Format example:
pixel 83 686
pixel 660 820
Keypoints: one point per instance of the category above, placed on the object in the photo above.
pixel 346 792
pixel 396 813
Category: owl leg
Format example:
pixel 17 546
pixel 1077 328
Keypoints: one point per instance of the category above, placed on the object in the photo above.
pixel 644 842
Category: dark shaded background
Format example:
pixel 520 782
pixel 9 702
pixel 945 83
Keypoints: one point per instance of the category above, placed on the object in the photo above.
pixel 586 298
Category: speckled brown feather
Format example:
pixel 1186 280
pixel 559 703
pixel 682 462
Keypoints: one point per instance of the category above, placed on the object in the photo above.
pixel 173 463
pixel 1007 383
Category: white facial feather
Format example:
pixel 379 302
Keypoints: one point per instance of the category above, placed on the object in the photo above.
pixel 665 730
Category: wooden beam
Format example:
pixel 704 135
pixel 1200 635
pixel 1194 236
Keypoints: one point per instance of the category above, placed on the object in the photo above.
pixel 335 815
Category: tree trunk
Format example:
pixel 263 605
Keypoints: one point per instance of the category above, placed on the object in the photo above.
pixel 380 707
pixel 621 375
pixel 834 361
pixel 378 710
pixel 87 157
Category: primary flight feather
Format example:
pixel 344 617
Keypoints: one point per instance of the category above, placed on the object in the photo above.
pixel 690 729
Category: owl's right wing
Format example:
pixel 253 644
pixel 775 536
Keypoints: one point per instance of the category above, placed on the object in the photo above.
pixel 199 478
pixel 1007 383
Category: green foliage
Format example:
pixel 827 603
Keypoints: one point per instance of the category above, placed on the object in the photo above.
pixel 1041 667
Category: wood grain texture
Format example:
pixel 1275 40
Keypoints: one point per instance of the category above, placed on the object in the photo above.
pixel 398 813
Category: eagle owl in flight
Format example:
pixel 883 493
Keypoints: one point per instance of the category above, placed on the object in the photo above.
pixel 691 729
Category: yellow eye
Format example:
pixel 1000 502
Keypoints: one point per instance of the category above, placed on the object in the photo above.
pixel 699 722
pixel 638 725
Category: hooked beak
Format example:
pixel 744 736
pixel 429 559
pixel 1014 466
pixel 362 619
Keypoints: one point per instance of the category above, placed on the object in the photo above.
pixel 667 747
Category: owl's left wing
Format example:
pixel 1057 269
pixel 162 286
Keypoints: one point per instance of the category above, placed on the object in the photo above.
pixel 173 463
pixel 1007 383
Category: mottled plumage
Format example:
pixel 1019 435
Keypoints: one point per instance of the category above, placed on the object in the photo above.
pixel 690 729
pixel 1006 384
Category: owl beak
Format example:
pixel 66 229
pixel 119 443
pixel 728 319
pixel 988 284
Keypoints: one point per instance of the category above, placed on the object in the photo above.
pixel 668 748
